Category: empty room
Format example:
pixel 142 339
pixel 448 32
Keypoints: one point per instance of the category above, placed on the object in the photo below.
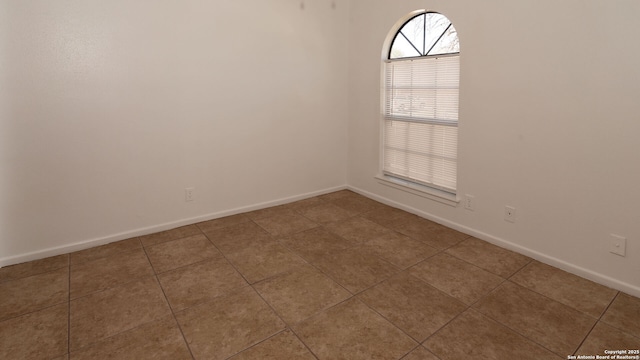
pixel 319 179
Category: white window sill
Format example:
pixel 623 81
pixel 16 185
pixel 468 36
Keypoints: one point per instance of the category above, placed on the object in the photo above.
pixel 420 190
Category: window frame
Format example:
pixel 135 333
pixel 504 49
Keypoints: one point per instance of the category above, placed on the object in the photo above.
pixel 431 191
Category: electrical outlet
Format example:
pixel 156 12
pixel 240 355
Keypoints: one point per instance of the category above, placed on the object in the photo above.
pixel 470 202
pixel 617 244
pixel 188 194
pixel 510 214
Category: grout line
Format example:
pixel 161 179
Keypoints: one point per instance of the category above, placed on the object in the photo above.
pixel 390 322
pixel 519 270
pixel 467 309
pixel 45 306
pixel 31 312
pixel 598 320
pixel 585 337
pixel 414 349
pixel 305 344
pixel 166 299
pixel 471 307
pixel 199 262
pixel 260 342
pixel 228 261
pixel 286 325
pixel 128 281
pixel 184 337
pixel 38 272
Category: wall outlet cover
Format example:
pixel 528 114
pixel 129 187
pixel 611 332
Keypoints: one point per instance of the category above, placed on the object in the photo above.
pixel 510 214
pixel 470 202
pixel 188 194
pixel 617 244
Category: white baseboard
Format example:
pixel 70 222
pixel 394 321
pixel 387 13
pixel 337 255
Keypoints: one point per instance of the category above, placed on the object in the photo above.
pixel 64 249
pixel 544 258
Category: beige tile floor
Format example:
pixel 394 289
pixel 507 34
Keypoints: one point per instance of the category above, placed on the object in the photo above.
pixel 337 276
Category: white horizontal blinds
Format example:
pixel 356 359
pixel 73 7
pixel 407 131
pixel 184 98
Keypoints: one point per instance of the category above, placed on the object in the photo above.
pixel 425 88
pixel 422 152
pixel 421 120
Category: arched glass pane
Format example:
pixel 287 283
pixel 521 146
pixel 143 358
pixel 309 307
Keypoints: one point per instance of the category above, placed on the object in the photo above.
pixel 435 26
pixel 447 44
pixel 414 32
pixel 425 34
pixel 402 48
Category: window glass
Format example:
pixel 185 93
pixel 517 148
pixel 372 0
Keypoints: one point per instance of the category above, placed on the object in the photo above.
pixel 423 35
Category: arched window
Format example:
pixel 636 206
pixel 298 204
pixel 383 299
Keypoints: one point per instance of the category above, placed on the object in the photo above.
pixel 421 80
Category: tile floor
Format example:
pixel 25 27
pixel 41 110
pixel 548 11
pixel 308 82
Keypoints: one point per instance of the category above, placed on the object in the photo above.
pixel 337 276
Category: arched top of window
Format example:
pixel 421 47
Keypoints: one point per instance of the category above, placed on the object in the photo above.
pixel 425 34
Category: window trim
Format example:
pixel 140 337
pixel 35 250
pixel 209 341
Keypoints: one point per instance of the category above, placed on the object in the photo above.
pixel 426 191
pixel 415 188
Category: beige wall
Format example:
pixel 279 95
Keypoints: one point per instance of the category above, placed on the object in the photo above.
pixel 110 109
pixel 549 123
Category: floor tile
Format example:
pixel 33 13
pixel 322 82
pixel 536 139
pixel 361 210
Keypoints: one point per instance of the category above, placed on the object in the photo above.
pixel 194 284
pixel 31 268
pixel 354 269
pixel 555 326
pixel 160 339
pixel 285 224
pixel 420 353
pixel 301 293
pixel 412 305
pixel 271 211
pixel 494 259
pixel 222 223
pixel 400 250
pixel 92 276
pixel 325 213
pixel 314 243
pixel 282 346
pixel 174 254
pixel 262 261
pixel 431 233
pixel 104 251
pixel 169 235
pixel 624 314
pixel 352 331
pixel 33 293
pixel 473 336
pixel 463 281
pixel 358 229
pixel 107 313
pixel 238 237
pixel 228 324
pixel 576 292
pixel 604 337
pixel 356 205
pixel 390 217
pixel 38 335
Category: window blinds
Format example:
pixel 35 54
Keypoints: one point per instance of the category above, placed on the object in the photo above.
pixel 421 120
